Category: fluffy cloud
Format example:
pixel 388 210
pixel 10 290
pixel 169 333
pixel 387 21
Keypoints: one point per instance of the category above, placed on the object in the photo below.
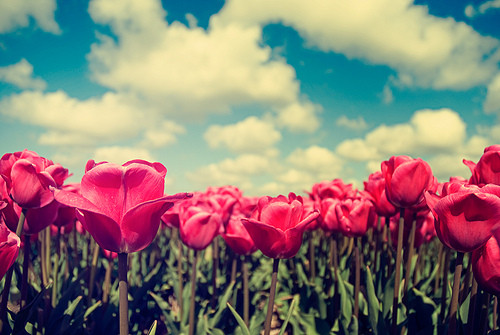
pixel 424 134
pixel 426 51
pixel 165 133
pixel 492 102
pixel 273 174
pixel 471 11
pixel 15 14
pixel 251 135
pixel 120 155
pixel 439 136
pixel 71 121
pixel 299 117
pixel 356 124
pixel 21 75
pixel 189 70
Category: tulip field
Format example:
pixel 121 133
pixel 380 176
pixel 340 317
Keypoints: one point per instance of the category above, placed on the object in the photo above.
pixel 114 254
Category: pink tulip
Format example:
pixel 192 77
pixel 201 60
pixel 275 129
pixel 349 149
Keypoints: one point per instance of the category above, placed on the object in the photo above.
pixel 29 176
pixel 355 216
pixel 200 221
pixel 328 218
pixel 332 189
pixel 465 214
pixel 121 206
pixel 486 266
pixel 487 170
pixel 278 225
pixel 9 248
pixel 237 237
pixel 375 191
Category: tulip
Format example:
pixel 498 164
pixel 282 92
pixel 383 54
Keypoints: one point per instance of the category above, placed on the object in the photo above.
pixel 486 266
pixel 9 248
pixel 278 225
pixel 29 177
pixel 355 216
pixel 237 237
pixel 465 214
pixel 121 206
pixel 200 221
pixel 406 180
pixel 375 191
pixel 487 169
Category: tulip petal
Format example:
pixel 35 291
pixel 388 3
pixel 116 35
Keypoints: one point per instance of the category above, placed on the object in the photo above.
pixel 408 183
pixel 466 219
pixel 141 183
pixel 103 229
pixel 30 189
pixel 277 214
pixel 268 239
pixel 199 230
pixel 140 224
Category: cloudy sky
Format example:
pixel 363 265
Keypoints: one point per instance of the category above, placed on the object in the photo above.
pixel 268 95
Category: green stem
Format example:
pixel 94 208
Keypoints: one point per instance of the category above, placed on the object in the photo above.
pixel 312 258
pixel 123 292
pixel 272 294
pixel 472 308
pixel 193 292
pixel 357 278
pixel 452 328
pixel 246 295
pixel 444 287
pixel 180 276
pixel 397 278
pixel 410 251
pixel 56 267
pixel 93 269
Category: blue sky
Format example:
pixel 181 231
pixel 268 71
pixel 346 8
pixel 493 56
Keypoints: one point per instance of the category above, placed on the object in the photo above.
pixel 270 96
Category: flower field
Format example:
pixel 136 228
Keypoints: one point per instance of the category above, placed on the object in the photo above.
pixel 113 254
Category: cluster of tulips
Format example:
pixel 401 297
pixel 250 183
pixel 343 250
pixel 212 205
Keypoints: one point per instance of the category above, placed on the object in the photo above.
pixel 123 208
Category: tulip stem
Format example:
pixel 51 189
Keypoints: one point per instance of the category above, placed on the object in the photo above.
pixel 272 294
pixel 95 256
pixel 452 327
pixel 26 263
pixel 410 251
pixel 312 258
pixel 215 267
pixel 123 292
pixel 246 296
pixel 56 266
pixel 357 276
pixel 193 292
pixel 444 287
pixel 8 277
pixel 180 276
pixel 397 277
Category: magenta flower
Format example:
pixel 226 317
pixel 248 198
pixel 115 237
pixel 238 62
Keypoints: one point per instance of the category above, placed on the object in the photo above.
pixel 9 248
pixel 465 214
pixel 237 237
pixel 487 169
pixel 486 266
pixel 355 216
pixel 375 191
pixel 121 206
pixel 278 225
pixel 406 180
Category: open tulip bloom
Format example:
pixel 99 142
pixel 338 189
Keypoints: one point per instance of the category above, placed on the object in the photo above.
pixel 121 206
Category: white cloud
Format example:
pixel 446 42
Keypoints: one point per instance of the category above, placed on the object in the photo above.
pixel 120 154
pixel 162 134
pixel 424 134
pixel 251 135
pixel 15 14
pixel 492 102
pixel 71 121
pixel 299 117
pixel 21 75
pixel 357 124
pixel 426 51
pixel 471 11
pixel 317 161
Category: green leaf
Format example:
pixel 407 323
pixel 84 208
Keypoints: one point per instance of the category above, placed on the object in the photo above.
pixel 290 311
pixel 164 306
pixel 152 330
pixel 373 303
pixel 238 318
pixel 222 305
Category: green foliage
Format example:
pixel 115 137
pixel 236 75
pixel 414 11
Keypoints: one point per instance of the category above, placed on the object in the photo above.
pixel 159 295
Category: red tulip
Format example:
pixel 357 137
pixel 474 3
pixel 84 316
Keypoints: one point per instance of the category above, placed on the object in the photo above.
pixel 487 170
pixel 237 237
pixel 121 206
pixel 328 218
pixel 375 191
pixel 29 176
pixel 278 225
pixel 355 216
pixel 465 214
pixel 200 221
pixel 332 189
pixel 486 266
pixel 9 248
pixel 406 180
